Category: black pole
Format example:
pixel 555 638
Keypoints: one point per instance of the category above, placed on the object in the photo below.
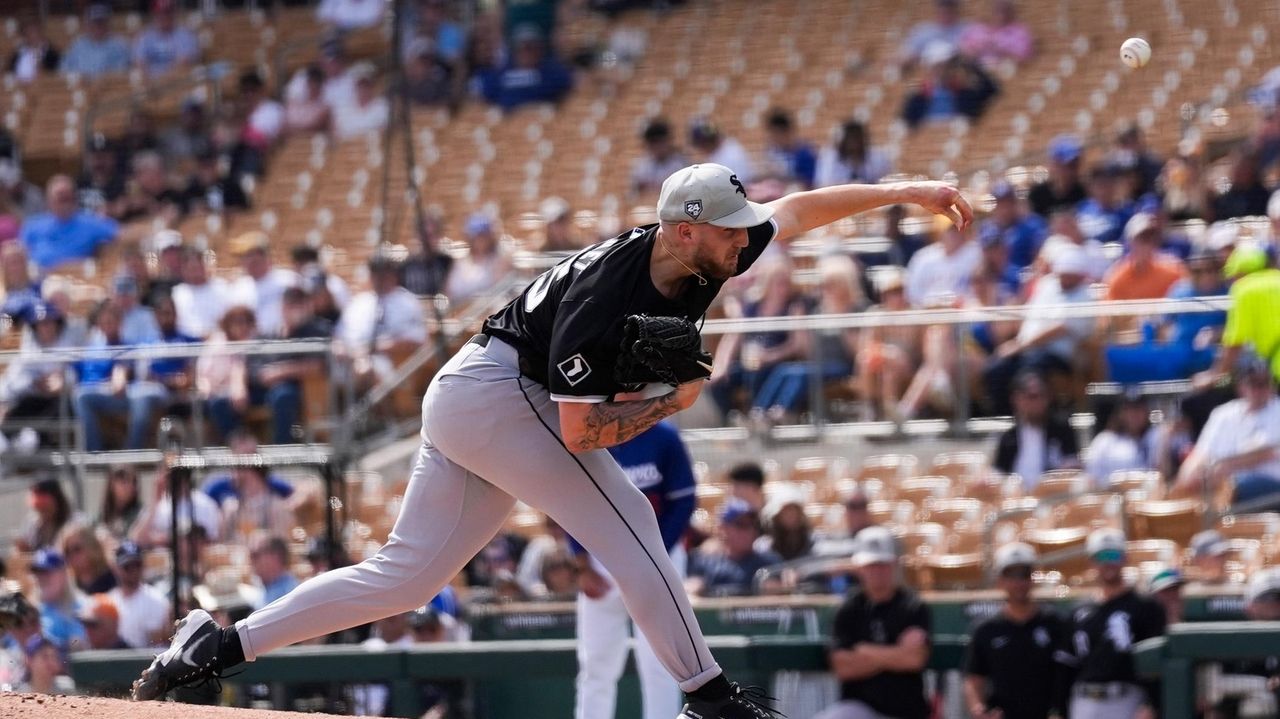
pixel 398 80
pixel 171 442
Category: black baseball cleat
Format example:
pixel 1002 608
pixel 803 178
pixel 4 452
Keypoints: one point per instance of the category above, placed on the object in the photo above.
pixel 742 703
pixel 192 656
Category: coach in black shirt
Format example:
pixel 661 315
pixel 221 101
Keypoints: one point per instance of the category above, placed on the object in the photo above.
pixel 880 642
pixel 1103 635
pixel 1013 668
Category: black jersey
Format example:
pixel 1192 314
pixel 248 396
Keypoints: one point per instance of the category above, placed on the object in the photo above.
pixel 895 694
pixel 1021 662
pixel 1104 634
pixel 570 319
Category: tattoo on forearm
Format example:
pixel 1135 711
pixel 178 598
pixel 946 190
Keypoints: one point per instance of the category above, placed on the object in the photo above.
pixel 611 423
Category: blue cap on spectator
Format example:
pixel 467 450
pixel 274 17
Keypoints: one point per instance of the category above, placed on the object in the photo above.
pixel 1003 190
pixel 1065 148
pixel 479 223
pixel 47 560
pixel 736 509
pixel 37 642
pixel 128 552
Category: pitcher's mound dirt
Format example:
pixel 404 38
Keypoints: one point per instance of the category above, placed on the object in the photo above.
pixel 33 706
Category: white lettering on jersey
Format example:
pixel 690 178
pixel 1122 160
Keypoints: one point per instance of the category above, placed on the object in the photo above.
pixel 1041 635
pixel 644 475
pixel 999 642
pixel 538 290
pixel 575 369
pixel 1118 631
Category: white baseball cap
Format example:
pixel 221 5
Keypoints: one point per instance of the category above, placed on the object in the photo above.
pixel 1105 545
pixel 1015 554
pixel 1167 578
pixel 1209 543
pixel 711 194
pixel 1070 260
pixel 874 544
pixel 1261 583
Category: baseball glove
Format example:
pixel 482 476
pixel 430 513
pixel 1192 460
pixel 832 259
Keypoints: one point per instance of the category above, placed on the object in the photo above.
pixel 662 349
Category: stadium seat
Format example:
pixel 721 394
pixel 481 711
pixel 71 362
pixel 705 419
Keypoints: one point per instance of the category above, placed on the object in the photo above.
pixel 1137 484
pixel 953 571
pixel 892 513
pixel 925 538
pixel 1151 550
pixel 1176 519
pixel 1061 483
pixel 948 512
pixel 917 489
pixel 1091 510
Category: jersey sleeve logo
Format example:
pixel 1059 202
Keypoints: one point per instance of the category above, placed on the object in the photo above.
pixel 693 208
pixel 575 369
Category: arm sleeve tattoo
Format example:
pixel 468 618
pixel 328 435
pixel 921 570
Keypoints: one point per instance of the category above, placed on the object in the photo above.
pixel 612 423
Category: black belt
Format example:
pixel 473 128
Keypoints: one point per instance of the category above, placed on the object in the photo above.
pixel 1103 690
pixel 527 368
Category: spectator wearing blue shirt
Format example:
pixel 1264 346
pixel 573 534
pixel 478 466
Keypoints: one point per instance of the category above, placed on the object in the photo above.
pixel 657 462
pixel 1103 215
pixel 57 601
pixel 97 51
pixel 64 233
pixel 995 261
pixel 1189 340
pixel 785 153
pixel 103 385
pixel 166 380
pixel 1023 233
pixel 269 557
pixel 531 75
pixel 731 570
pixel 221 487
pixel 432 23
pixel 165 46
pixel 138 324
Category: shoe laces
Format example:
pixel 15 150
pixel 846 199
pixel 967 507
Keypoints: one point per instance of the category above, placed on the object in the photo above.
pixel 757 699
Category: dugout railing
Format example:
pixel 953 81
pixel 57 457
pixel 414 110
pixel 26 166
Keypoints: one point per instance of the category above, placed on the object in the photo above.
pixel 523 661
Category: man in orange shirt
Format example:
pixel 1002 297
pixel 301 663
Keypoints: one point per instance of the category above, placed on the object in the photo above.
pixel 1145 273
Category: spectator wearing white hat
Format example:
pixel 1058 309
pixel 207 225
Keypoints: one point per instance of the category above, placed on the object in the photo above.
pixel 1166 588
pixel 1209 557
pixel 1104 634
pixel 1262 595
pixel 1047 340
pixel 880 639
pixel 1012 669
pixel 559 234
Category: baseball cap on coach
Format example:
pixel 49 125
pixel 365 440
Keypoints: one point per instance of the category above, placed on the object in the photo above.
pixel 874 545
pixel 1105 545
pixel 1015 554
pixel 712 194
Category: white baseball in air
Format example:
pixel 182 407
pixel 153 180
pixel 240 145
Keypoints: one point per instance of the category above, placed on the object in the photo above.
pixel 1135 52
